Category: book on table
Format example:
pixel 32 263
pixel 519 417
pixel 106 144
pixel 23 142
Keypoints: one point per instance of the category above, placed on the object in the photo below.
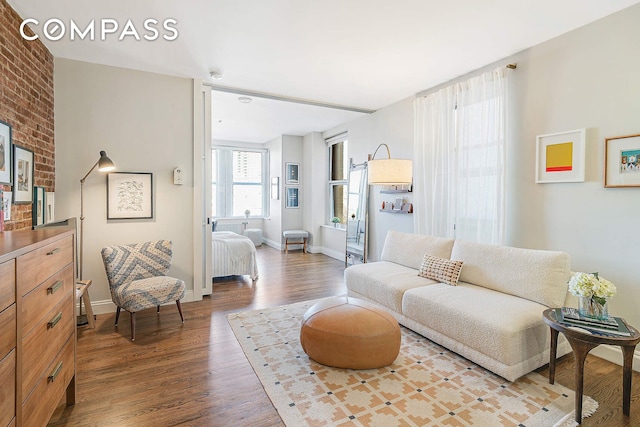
pixel 613 326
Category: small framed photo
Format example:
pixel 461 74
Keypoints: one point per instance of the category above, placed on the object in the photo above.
pixel 129 195
pixel 22 175
pixel 49 207
pixel 38 206
pixel 275 188
pixel 622 161
pixel 397 203
pixel 293 200
pixel 560 157
pixel 5 153
pixel 292 173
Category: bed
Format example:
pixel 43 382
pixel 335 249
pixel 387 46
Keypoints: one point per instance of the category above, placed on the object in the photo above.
pixel 233 254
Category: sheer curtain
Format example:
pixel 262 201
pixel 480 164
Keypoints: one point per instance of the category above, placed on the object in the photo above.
pixel 459 162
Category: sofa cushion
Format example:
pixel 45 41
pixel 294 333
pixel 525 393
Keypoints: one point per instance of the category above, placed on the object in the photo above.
pixel 504 327
pixel 383 282
pixel 408 249
pixel 440 269
pixel 536 275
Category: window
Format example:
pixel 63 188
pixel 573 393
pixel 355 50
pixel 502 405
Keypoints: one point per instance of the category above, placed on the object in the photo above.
pixel 239 182
pixel 338 173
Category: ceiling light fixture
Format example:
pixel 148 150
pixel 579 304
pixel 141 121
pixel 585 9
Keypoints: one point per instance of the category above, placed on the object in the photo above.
pixel 245 99
pixel 215 75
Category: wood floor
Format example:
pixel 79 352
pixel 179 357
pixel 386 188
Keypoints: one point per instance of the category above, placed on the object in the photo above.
pixel 195 374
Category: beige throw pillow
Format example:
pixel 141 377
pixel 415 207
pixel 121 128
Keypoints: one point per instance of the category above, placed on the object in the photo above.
pixel 444 270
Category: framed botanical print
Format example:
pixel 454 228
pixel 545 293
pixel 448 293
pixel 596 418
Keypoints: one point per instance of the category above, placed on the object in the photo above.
pixel 5 153
pixel 292 173
pixel 129 195
pixel 38 205
pixel 22 175
pixel 292 200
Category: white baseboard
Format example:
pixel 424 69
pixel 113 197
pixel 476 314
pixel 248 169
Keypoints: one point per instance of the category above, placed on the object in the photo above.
pixel 614 355
pixel 272 244
pixel 333 253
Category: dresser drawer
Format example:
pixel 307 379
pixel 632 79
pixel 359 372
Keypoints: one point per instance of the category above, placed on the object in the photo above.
pixel 7 388
pixel 40 264
pixel 7 284
pixel 7 330
pixel 39 406
pixel 38 302
pixel 45 340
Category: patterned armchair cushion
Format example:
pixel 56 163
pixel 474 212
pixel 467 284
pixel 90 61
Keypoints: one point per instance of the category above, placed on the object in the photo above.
pixel 146 293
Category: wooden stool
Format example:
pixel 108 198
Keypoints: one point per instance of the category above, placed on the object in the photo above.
pixel 82 294
pixel 296 235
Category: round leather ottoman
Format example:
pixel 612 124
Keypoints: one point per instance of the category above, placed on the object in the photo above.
pixel 350 333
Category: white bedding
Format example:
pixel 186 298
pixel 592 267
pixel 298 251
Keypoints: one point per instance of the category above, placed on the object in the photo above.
pixel 233 254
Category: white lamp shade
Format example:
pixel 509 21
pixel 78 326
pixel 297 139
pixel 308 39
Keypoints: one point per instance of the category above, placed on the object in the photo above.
pixel 390 172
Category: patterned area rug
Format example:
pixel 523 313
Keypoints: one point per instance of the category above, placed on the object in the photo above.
pixel 427 385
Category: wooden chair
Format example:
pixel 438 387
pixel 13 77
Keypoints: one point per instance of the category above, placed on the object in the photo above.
pixel 137 278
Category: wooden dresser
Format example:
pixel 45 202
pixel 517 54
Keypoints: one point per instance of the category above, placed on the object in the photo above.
pixel 37 325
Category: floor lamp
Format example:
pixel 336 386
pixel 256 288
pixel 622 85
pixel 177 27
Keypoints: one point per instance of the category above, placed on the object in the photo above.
pixel 104 164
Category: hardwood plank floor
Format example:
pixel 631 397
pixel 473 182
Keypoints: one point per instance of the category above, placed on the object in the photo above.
pixel 195 374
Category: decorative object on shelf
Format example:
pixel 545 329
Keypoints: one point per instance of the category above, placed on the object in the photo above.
pixel 560 157
pixel 129 195
pixel 292 173
pixel 389 171
pixel 5 152
pixel 104 164
pixel 247 213
pixel 391 189
pixel 622 161
pixel 49 211
pixel 405 208
pixel 397 204
pixel 6 204
pixel 592 292
pixel 335 220
pixel 22 175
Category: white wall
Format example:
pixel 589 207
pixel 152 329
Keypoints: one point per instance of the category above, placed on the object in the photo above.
pixel 144 122
pixel 584 79
pixel 273 225
pixel 314 198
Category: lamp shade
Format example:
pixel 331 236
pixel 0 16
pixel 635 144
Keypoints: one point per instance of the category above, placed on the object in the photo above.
pixel 390 172
pixel 104 163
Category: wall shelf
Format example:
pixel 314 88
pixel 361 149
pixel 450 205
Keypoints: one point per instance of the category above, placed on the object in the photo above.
pixel 396 212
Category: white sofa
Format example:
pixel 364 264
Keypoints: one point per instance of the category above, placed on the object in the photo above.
pixel 493 316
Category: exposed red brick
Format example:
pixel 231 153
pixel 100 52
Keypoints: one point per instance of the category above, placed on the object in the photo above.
pixel 26 103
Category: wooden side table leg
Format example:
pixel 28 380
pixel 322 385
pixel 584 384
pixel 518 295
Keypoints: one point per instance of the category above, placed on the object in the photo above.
pixel 627 353
pixel 580 351
pixel 552 355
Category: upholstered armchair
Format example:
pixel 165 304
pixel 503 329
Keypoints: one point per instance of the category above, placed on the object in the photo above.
pixel 138 280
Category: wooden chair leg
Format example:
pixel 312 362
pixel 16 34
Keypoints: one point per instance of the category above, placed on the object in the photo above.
pixel 180 310
pixel 133 326
pixel 117 315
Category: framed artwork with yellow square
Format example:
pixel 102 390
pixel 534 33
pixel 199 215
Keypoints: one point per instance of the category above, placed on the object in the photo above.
pixel 560 157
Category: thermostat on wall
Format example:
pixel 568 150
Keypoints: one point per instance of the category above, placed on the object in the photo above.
pixel 178 174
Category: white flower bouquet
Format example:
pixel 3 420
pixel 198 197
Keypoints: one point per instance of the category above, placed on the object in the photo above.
pixel 590 285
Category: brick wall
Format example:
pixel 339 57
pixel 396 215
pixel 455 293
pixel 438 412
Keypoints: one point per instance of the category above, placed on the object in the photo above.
pixel 26 103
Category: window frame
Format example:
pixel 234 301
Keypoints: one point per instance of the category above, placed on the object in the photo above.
pixel 332 184
pixel 224 181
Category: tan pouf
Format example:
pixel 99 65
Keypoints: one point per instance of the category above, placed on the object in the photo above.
pixel 347 332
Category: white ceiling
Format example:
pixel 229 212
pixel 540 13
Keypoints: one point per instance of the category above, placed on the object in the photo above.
pixel 360 53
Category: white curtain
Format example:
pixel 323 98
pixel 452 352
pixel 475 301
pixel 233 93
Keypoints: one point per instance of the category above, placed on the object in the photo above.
pixel 459 167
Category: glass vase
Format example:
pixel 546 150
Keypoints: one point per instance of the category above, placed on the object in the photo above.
pixel 592 308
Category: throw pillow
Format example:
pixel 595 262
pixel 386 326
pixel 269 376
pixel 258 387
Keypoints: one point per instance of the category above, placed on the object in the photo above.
pixel 444 270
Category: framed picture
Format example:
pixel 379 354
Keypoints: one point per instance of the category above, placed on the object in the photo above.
pixel 129 195
pixel 560 157
pixel 49 207
pixel 22 175
pixel 292 200
pixel 5 153
pixel 38 206
pixel 622 161
pixel 292 173
pixel 275 188
pixel 6 205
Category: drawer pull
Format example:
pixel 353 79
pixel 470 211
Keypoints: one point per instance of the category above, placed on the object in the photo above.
pixel 53 322
pixel 51 289
pixel 56 371
pixel 53 252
